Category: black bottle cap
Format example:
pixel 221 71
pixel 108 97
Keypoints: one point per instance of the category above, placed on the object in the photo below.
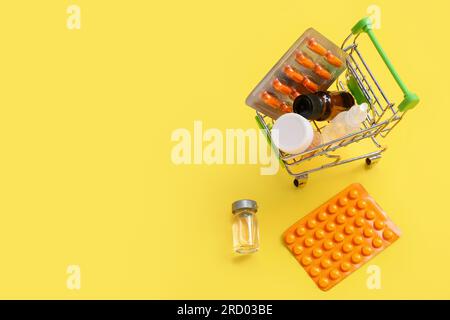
pixel 308 106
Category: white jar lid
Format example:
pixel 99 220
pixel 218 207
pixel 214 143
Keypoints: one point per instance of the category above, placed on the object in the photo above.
pixel 292 133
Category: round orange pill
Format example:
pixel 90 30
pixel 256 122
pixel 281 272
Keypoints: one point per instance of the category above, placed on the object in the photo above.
pixel 351 211
pixel 332 208
pixel 330 226
pixel 306 261
pixel 314 271
pixel 328 244
pixel 319 234
pixel 325 263
pixel 361 204
pixel 345 266
pixel 377 242
pixel 368 232
pixel 289 238
pixel 359 222
pixel 339 237
pixel 337 255
pixel 370 214
pixel 323 282
pixel 298 249
pixel 340 218
pixel 317 252
pixel 366 251
pixel 311 224
pixel 357 240
pixel 322 216
pixel 378 224
pixel 356 258
pixel 342 201
pixel 335 274
pixel 309 242
pixel 388 234
pixel 349 229
pixel 347 247
pixel 353 194
pixel 300 231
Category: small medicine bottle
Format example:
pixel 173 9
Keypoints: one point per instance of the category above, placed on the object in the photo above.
pixel 245 226
pixel 323 105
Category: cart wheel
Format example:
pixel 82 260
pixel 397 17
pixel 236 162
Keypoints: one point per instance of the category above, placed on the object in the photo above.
pixel 370 161
pixel 300 181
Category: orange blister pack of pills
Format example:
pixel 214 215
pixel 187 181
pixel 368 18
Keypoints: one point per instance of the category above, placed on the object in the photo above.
pixel 340 236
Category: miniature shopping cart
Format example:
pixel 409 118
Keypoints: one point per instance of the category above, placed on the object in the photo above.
pixel 383 116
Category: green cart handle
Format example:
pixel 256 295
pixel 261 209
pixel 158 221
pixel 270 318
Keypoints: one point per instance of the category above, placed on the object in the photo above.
pixel 410 99
pixel 269 139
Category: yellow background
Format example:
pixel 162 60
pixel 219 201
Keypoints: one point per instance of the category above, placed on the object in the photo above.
pixel 86 176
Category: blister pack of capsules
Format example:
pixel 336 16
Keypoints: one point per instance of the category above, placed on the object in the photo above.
pixel 312 64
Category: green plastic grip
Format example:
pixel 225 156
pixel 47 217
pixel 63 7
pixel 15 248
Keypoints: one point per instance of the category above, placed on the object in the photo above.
pixel 410 99
pixel 269 140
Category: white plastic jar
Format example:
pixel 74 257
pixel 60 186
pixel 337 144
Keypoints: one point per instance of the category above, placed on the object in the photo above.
pixel 292 133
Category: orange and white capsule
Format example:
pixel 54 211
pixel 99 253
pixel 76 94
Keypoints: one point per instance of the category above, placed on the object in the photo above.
pixel 332 59
pixel 286 108
pixel 271 100
pixel 292 74
pixel 294 94
pixel 304 60
pixel 322 72
pixel 281 87
pixel 285 89
pixel 310 85
pixel 316 47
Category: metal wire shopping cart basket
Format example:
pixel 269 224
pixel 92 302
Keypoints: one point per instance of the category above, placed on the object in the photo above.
pixel 383 115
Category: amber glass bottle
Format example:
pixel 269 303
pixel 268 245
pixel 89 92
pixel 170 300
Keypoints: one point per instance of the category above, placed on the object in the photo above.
pixel 323 105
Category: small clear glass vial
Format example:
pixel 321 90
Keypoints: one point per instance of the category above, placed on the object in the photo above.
pixel 245 226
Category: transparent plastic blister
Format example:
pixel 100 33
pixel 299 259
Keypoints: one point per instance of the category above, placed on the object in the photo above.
pixel 312 64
